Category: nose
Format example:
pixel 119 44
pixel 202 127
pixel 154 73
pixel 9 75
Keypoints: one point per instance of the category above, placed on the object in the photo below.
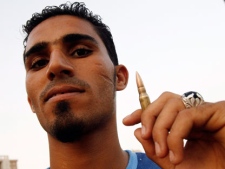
pixel 59 66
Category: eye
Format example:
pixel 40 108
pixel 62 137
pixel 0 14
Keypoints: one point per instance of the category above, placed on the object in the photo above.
pixel 38 64
pixel 81 52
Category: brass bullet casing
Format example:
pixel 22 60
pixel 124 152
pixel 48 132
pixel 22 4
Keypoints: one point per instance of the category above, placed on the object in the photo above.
pixel 143 96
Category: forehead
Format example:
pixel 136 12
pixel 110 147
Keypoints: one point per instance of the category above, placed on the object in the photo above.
pixel 52 29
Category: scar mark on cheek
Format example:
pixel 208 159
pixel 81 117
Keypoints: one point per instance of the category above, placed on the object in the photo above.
pixel 106 73
pixel 107 79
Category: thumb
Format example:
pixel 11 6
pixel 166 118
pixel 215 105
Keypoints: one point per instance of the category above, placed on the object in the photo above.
pixel 133 118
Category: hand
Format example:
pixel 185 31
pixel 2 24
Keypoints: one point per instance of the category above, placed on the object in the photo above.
pixel 166 123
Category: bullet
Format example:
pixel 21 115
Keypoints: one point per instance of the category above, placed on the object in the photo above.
pixel 143 96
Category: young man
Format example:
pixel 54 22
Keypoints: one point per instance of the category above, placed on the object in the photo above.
pixel 72 74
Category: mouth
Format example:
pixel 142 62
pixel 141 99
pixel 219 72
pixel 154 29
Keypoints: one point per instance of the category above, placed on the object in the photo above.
pixel 59 91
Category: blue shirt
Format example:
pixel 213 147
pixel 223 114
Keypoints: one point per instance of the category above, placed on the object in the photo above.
pixel 139 160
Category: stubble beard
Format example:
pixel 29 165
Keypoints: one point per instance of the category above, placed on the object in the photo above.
pixel 68 128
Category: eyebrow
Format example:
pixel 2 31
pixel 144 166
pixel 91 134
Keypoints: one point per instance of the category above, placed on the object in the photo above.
pixel 74 38
pixel 34 49
pixel 68 38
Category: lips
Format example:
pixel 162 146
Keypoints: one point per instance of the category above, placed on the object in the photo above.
pixel 60 90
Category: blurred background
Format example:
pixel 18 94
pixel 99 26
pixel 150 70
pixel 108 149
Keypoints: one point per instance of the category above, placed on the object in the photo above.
pixel 175 46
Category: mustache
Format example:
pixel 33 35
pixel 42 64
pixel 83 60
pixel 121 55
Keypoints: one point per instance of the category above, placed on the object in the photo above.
pixel 68 81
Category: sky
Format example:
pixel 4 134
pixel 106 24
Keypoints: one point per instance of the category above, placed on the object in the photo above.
pixel 175 46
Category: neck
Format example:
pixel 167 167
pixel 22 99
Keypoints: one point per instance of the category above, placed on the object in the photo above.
pixel 100 149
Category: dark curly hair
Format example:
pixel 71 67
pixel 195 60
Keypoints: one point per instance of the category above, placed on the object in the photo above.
pixel 77 9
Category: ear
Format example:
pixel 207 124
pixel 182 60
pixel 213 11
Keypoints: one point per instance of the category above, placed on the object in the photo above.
pixel 121 77
pixel 31 105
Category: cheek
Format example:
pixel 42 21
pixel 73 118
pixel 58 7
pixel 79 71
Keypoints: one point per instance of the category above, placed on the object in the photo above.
pixel 96 69
pixel 29 85
pixel 32 87
pixel 105 80
pixel 105 70
pixel 100 75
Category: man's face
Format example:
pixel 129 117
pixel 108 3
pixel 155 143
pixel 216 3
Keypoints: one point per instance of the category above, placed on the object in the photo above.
pixel 70 79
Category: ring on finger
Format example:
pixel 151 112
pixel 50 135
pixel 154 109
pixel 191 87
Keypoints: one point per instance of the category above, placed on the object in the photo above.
pixel 192 99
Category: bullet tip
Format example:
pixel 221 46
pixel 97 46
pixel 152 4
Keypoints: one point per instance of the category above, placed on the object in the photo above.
pixel 139 80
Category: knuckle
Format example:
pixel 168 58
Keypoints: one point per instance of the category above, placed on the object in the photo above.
pixel 166 94
pixel 174 100
pixel 169 95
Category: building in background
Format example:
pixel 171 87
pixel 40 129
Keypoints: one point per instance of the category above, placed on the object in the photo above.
pixel 6 163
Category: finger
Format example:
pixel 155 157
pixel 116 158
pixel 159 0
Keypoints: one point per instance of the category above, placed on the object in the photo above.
pixel 148 146
pixel 151 113
pixel 189 123
pixel 163 124
pixel 133 118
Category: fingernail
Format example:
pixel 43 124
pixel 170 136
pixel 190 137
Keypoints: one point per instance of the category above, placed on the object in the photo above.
pixel 171 156
pixel 143 130
pixel 157 149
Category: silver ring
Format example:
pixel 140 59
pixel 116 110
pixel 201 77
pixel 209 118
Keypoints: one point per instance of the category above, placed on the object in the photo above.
pixel 192 99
